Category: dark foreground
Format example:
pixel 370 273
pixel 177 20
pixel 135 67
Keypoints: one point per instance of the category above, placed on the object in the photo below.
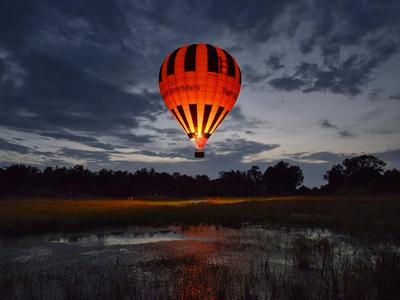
pixel 286 248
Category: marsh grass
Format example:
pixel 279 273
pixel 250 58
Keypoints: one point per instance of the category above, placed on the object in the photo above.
pixel 331 273
pixel 369 216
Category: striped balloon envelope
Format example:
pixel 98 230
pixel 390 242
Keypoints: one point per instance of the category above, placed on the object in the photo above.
pixel 199 84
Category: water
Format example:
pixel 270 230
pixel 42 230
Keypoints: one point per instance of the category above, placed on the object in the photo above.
pixel 122 238
pixel 178 262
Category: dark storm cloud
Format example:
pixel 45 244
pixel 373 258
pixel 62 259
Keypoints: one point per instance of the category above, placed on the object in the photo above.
pixel 242 146
pixel 347 77
pixel 274 62
pixel 7 146
pixel 76 68
pixel 395 97
pixel 69 63
pixel 287 83
pixel 372 26
pixel 252 19
pixel 349 22
pixel 252 76
pixel 85 140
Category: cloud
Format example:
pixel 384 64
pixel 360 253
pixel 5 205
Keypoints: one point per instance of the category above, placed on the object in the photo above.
pixel 242 146
pixel 352 40
pixel 237 113
pixel 274 62
pixel 133 139
pixel 253 76
pixel 345 133
pixel 395 97
pixel 390 156
pixel 77 68
pixel 327 124
pixel 347 77
pixel 84 155
pixel 287 83
pixel 342 133
pixel 345 23
pixel 85 140
pixel 8 146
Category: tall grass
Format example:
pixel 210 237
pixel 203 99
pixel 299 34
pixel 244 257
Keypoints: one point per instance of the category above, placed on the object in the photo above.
pixel 316 269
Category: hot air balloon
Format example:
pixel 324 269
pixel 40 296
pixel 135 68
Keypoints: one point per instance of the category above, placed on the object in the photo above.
pixel 199 84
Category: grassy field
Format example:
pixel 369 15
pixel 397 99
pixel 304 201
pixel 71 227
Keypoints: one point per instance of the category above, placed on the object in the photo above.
pixel 376 217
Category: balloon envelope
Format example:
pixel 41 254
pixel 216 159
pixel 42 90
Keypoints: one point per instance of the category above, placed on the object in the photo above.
pixel 199 84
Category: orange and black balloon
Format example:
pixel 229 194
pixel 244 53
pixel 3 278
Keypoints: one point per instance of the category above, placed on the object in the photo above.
pixel 199 84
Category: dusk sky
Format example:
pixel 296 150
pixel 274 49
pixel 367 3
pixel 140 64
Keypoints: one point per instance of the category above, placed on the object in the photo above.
pixel 79 83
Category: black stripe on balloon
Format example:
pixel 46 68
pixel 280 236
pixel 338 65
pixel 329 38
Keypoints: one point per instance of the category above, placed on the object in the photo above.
pixel 183 116
pixel 216 126
pixel 240 76
pixel 193 112
pixel 212 59
pixel 207 111
pixel 219 112
pixel 160 74
pixel 190 58
pixel 231 64
pixel 171 63
pixel 176 116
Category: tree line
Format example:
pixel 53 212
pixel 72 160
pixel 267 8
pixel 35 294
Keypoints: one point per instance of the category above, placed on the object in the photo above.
pixel 364 173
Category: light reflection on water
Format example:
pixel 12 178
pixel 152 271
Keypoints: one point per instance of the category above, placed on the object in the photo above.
pixel 125 238
pixel 179 262
pixel 217 243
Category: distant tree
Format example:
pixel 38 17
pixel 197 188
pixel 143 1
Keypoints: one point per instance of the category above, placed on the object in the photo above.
pixel 390 182
pixel 234 183
pixel 303 190
pixel 21 178
pixel 335 177
pixel 282 178
pixel 255 177
pixel 363 170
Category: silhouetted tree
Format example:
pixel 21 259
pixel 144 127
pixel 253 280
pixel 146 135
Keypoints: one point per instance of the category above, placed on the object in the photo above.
pixel 255 177
pixel 282 178
pixel 365 172
pixel 335 177
pixel 362 170
pixel 389 182
pixel 234 183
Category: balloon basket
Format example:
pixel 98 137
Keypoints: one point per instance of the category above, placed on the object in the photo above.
pixel 199 154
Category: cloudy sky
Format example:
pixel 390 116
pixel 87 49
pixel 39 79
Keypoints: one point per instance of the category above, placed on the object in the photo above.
pixel 79 83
